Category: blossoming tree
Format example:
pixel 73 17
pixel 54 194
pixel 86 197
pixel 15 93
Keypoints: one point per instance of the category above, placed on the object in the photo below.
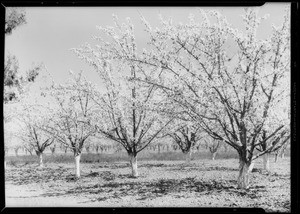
pixel 127 109
pixel 73 110
pixel 33 120
pixel 213 146
pixel 229 81
pixel 185 134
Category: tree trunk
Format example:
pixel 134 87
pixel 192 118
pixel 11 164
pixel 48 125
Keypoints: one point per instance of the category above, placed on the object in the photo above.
pixel 40 155
pixel 77 165
pixel 133 163
pixel 52 150
pixel 276 157
pixel 16 152
pixel 244 171
pixel 226 148
pixel 266 162
pixel 213 155
pixel 282 155
pixel 188 156
pixel 251 167
pixel 4 165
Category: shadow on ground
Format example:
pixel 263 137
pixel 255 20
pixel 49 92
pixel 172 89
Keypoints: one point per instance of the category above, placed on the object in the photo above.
pixel 33 174
pixel 193 168
pixel 158 188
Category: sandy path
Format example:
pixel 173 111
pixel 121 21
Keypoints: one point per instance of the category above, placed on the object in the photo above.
pixel 32 196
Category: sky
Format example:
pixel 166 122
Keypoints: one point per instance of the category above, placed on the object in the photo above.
pixel 51 32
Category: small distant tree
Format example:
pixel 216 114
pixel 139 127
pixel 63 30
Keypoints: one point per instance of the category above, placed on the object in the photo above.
pixel 225 146
pixel 118 148
pixel 6 149
pixel 95 143
pixel 16 149
pixel 33 118
pixel 175 147
pixel 279 142
pixel 213 146
pixel 65 150
pixel 186 138
pixel 11 141
pixel 159 147
pixel 53 148
pixel 280 152
pixel 97 147
pixel 87 147
pixel 36 140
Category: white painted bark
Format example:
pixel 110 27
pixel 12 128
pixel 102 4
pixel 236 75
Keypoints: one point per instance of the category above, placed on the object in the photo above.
pixel 77 165
pixel 266 162
pixel 251 167
pixel 243 178
pixel 276 157
pixel 213 155
pixel 188 156
pixel 133 163
pixel 16 152
pixel 282 155
pixel 40 155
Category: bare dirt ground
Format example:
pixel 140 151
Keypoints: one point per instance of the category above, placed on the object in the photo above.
pixel 202 183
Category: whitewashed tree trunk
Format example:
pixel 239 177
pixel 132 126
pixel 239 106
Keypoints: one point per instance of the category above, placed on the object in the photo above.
pixel 276 157
pixel 52 150
pixel 266 162
pixel 133 163
pixel 188 156
pixel 213 155
pixel 244 171
pixel 251 167
pixel 40 155
pixel 77 165
pixel 282 155
pixel 4 165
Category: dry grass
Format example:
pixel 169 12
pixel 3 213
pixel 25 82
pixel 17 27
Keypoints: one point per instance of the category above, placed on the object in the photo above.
pixel 202 183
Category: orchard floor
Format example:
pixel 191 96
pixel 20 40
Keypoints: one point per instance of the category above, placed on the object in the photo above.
pixel 201 183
